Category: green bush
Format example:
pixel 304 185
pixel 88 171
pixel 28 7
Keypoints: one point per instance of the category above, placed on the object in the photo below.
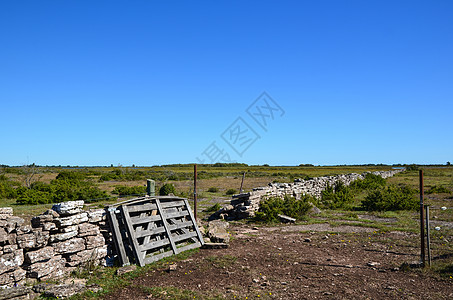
pixel 391 198
pixel 230 192
pixel 213 208
pixel 339 196
pixel 166 189
pixel 370 182
pixel 438 189
pixel 68 186
pixel 213 190
pixel 123 190
pixel 270 208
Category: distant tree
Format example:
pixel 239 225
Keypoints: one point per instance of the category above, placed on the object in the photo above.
pixel 30 174
pixel 448 163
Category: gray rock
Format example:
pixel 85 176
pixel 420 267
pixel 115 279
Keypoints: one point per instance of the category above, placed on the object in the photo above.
pixel 87 229
pixel 96 215
pixel 126 269
pixel 69 246
pixel 5 212
pixel 217 231
pixel 14 292
pixel 94 241
pixel 64 290
pixel 26 241
pixel 52 268
pixel 62 236
pixel 68 208
pixel 11 261
pixel 42 254
pixel 72 220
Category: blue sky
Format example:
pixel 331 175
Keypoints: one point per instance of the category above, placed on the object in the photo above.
pixel 157 82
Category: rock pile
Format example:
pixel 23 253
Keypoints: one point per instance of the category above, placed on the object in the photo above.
pixel 56 242
pixel 246 204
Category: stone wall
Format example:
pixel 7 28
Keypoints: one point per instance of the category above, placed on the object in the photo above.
pixel 246 204
pixel 54 244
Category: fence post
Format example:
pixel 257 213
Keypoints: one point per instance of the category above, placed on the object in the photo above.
pixel 427 235
pixel 195 191
pixel 151 187
pixel 242 183
pixel 422 220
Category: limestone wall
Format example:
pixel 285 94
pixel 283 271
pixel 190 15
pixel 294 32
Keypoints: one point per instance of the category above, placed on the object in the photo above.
pixel 54 244
pixel 245 205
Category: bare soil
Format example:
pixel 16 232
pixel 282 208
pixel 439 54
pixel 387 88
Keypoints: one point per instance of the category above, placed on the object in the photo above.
pixel 288 262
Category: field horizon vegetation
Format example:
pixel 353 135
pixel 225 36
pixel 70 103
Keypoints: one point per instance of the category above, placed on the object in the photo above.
pixel 382 205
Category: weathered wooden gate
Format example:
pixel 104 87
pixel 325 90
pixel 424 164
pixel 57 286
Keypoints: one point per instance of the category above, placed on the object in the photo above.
pixel 147 229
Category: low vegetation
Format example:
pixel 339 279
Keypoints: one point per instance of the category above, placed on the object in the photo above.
pixel 289 206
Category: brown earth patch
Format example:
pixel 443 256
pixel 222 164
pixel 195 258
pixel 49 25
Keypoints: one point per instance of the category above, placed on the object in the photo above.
pixel 285 263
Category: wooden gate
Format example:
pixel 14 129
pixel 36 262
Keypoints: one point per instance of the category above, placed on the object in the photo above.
pixel 148 229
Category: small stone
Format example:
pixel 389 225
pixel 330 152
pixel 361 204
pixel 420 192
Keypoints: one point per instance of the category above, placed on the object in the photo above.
pixel 373 264
pixel 126 269
pixel 172 267
pixel 307 240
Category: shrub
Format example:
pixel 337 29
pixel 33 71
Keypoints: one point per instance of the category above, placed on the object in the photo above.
pixel 391 198
pixel 231 192
pixel 213 208
pixel 123 190
pixel 270 208
pixel 166 189
pixel 339 196
pixel 371 181
pixel 213 190
pixel 438 189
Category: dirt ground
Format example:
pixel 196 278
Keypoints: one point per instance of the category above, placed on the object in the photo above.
pixel 296 262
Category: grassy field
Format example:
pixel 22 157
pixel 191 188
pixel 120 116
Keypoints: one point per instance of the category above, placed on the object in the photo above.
pixel 393 231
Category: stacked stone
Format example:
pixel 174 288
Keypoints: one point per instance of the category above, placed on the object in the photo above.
pixel 11 255
pixel 246 204
pixel 56 242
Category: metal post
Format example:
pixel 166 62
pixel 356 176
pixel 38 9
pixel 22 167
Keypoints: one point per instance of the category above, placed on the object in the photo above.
pixel 427 235
pixel 422 225
pixel 195 191
pixel 242 183
pixel 150 187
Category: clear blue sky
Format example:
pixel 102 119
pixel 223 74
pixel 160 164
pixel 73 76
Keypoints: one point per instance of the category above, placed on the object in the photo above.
pixel 156 82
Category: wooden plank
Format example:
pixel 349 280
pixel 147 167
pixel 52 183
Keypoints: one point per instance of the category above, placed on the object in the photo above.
pixel 141 208
pixel 164 220
pixel 154 244
pixel 172 204
pixel 177 214
pixel 137 220
pixel 151 259
pixel 131 233
pixel 182 237
pixel 200 236
pixel 118 241
pixel 158 230
pixel 190 246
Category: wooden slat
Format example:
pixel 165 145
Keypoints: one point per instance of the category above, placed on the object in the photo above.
pixel 176 214
pixel 182 237
pixel 118 241
pixel 137 220
pixel 164 219
pixel 200 236
pixel 161 229
pixel 131 233
pixel 141 208
pixel 154 244
pixel 151 259
pixel 190 246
